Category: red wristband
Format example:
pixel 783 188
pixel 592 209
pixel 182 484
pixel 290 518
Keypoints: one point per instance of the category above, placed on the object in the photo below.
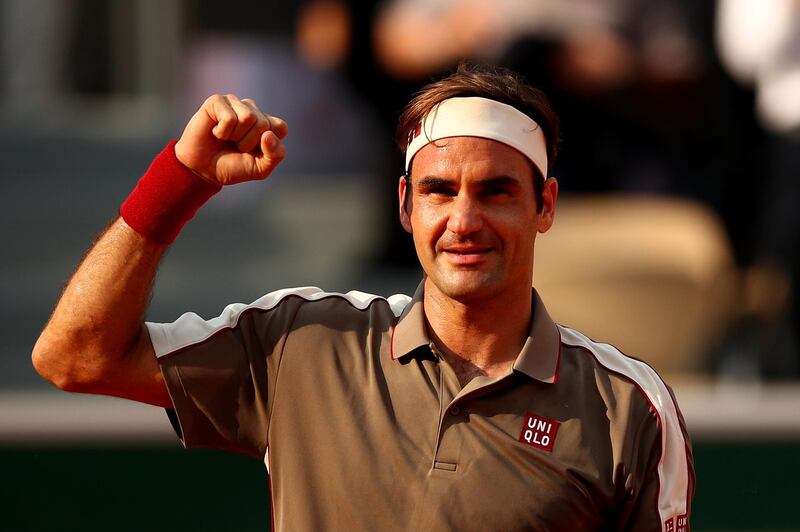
pixel 165 198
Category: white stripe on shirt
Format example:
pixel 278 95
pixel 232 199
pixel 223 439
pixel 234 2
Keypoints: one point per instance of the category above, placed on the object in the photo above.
pixel 191 329
pixel 673 469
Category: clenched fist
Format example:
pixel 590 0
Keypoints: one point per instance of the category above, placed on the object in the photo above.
pixel 229 141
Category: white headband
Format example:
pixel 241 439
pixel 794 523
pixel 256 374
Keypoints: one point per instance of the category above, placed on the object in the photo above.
pixel 480 117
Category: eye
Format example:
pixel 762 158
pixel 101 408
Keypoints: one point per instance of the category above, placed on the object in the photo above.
pixel 497 191
pixel 442 190
pixel 437 189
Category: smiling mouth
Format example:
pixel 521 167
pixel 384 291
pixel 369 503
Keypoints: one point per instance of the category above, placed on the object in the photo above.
pixel 466 256
pixel 470 251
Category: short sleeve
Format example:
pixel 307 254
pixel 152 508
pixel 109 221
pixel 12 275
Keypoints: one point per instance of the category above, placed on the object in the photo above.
pixel 662 468
pixel 221 373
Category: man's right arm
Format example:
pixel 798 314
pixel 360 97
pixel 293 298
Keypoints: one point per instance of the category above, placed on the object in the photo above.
pixel 95 341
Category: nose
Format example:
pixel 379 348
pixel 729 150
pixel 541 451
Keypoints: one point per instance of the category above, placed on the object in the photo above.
pixel 465 216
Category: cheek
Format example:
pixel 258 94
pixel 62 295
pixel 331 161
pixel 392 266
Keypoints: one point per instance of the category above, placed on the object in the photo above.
pixel 427 220
pixel 520 228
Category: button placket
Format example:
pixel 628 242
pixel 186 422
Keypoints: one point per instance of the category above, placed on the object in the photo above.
pixel 448 446
pixel 441 404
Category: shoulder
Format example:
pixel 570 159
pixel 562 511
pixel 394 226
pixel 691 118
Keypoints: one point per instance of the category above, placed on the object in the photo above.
pixel 279 310
pixel 354 300
pixel 348 310
pixel 642 410
pixel 608 362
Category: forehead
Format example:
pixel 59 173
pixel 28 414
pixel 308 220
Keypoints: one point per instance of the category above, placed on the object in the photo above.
pixel 470 155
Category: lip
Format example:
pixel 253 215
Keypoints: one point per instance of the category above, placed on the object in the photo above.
pixel 467 255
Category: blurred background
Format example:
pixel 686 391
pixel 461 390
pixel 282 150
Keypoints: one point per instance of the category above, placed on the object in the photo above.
pixel 676 237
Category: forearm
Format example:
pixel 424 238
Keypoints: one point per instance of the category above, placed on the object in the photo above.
pixel 95 341
pixel 98 319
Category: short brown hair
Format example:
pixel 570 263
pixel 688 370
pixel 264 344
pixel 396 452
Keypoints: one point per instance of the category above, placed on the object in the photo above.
pixel 496 83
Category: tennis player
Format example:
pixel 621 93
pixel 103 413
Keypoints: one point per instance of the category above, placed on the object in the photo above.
pixel 462 406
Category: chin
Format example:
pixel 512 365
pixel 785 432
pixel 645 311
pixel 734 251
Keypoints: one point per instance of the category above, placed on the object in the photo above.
pixel 466 286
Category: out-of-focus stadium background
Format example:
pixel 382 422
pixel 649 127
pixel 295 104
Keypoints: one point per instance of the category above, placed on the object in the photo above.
pixel 677 238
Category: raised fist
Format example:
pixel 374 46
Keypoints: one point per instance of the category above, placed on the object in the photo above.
pixel 229 141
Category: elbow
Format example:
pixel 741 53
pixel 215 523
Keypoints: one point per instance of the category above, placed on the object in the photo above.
pixel 55 364
pixel 45 363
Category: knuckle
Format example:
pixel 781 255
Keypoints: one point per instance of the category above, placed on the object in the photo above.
pixel 248 117
pixel 278 122
pixel 214 98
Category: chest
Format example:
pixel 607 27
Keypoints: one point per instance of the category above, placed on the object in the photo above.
pixel 369 439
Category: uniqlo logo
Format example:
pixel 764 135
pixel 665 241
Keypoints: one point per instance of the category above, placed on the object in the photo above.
pixel 677 524
pixel 539 432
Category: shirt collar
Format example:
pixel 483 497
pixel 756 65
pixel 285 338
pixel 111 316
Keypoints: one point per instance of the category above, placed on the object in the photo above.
pixel 410 332
pixel 538 359
pixel 541 354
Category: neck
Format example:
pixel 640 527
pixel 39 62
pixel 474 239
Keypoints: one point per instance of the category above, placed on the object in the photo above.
pixel 485 336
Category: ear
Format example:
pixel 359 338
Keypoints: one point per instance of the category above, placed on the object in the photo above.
pixel 403 190
pixel 549 198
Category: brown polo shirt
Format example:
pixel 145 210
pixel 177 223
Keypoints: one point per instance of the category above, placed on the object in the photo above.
pixel 364 427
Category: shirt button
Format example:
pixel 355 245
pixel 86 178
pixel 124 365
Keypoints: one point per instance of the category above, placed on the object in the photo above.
pixel 455 410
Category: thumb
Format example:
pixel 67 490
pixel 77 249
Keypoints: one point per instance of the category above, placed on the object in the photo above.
pixel 272 148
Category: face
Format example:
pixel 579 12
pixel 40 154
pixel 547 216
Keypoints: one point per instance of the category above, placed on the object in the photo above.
pixel 472 213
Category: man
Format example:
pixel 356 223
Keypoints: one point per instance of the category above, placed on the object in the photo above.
pixel 462 408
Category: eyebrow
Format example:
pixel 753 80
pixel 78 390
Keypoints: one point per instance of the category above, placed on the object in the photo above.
pixel 435 181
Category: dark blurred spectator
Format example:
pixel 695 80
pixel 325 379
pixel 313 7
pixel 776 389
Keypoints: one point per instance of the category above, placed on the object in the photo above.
pixel 759 43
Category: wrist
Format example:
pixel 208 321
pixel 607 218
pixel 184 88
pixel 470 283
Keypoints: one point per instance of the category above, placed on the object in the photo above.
pixel 166 197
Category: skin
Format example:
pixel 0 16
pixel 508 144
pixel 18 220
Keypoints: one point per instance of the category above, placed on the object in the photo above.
pixel 472 214
pixel 95 341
